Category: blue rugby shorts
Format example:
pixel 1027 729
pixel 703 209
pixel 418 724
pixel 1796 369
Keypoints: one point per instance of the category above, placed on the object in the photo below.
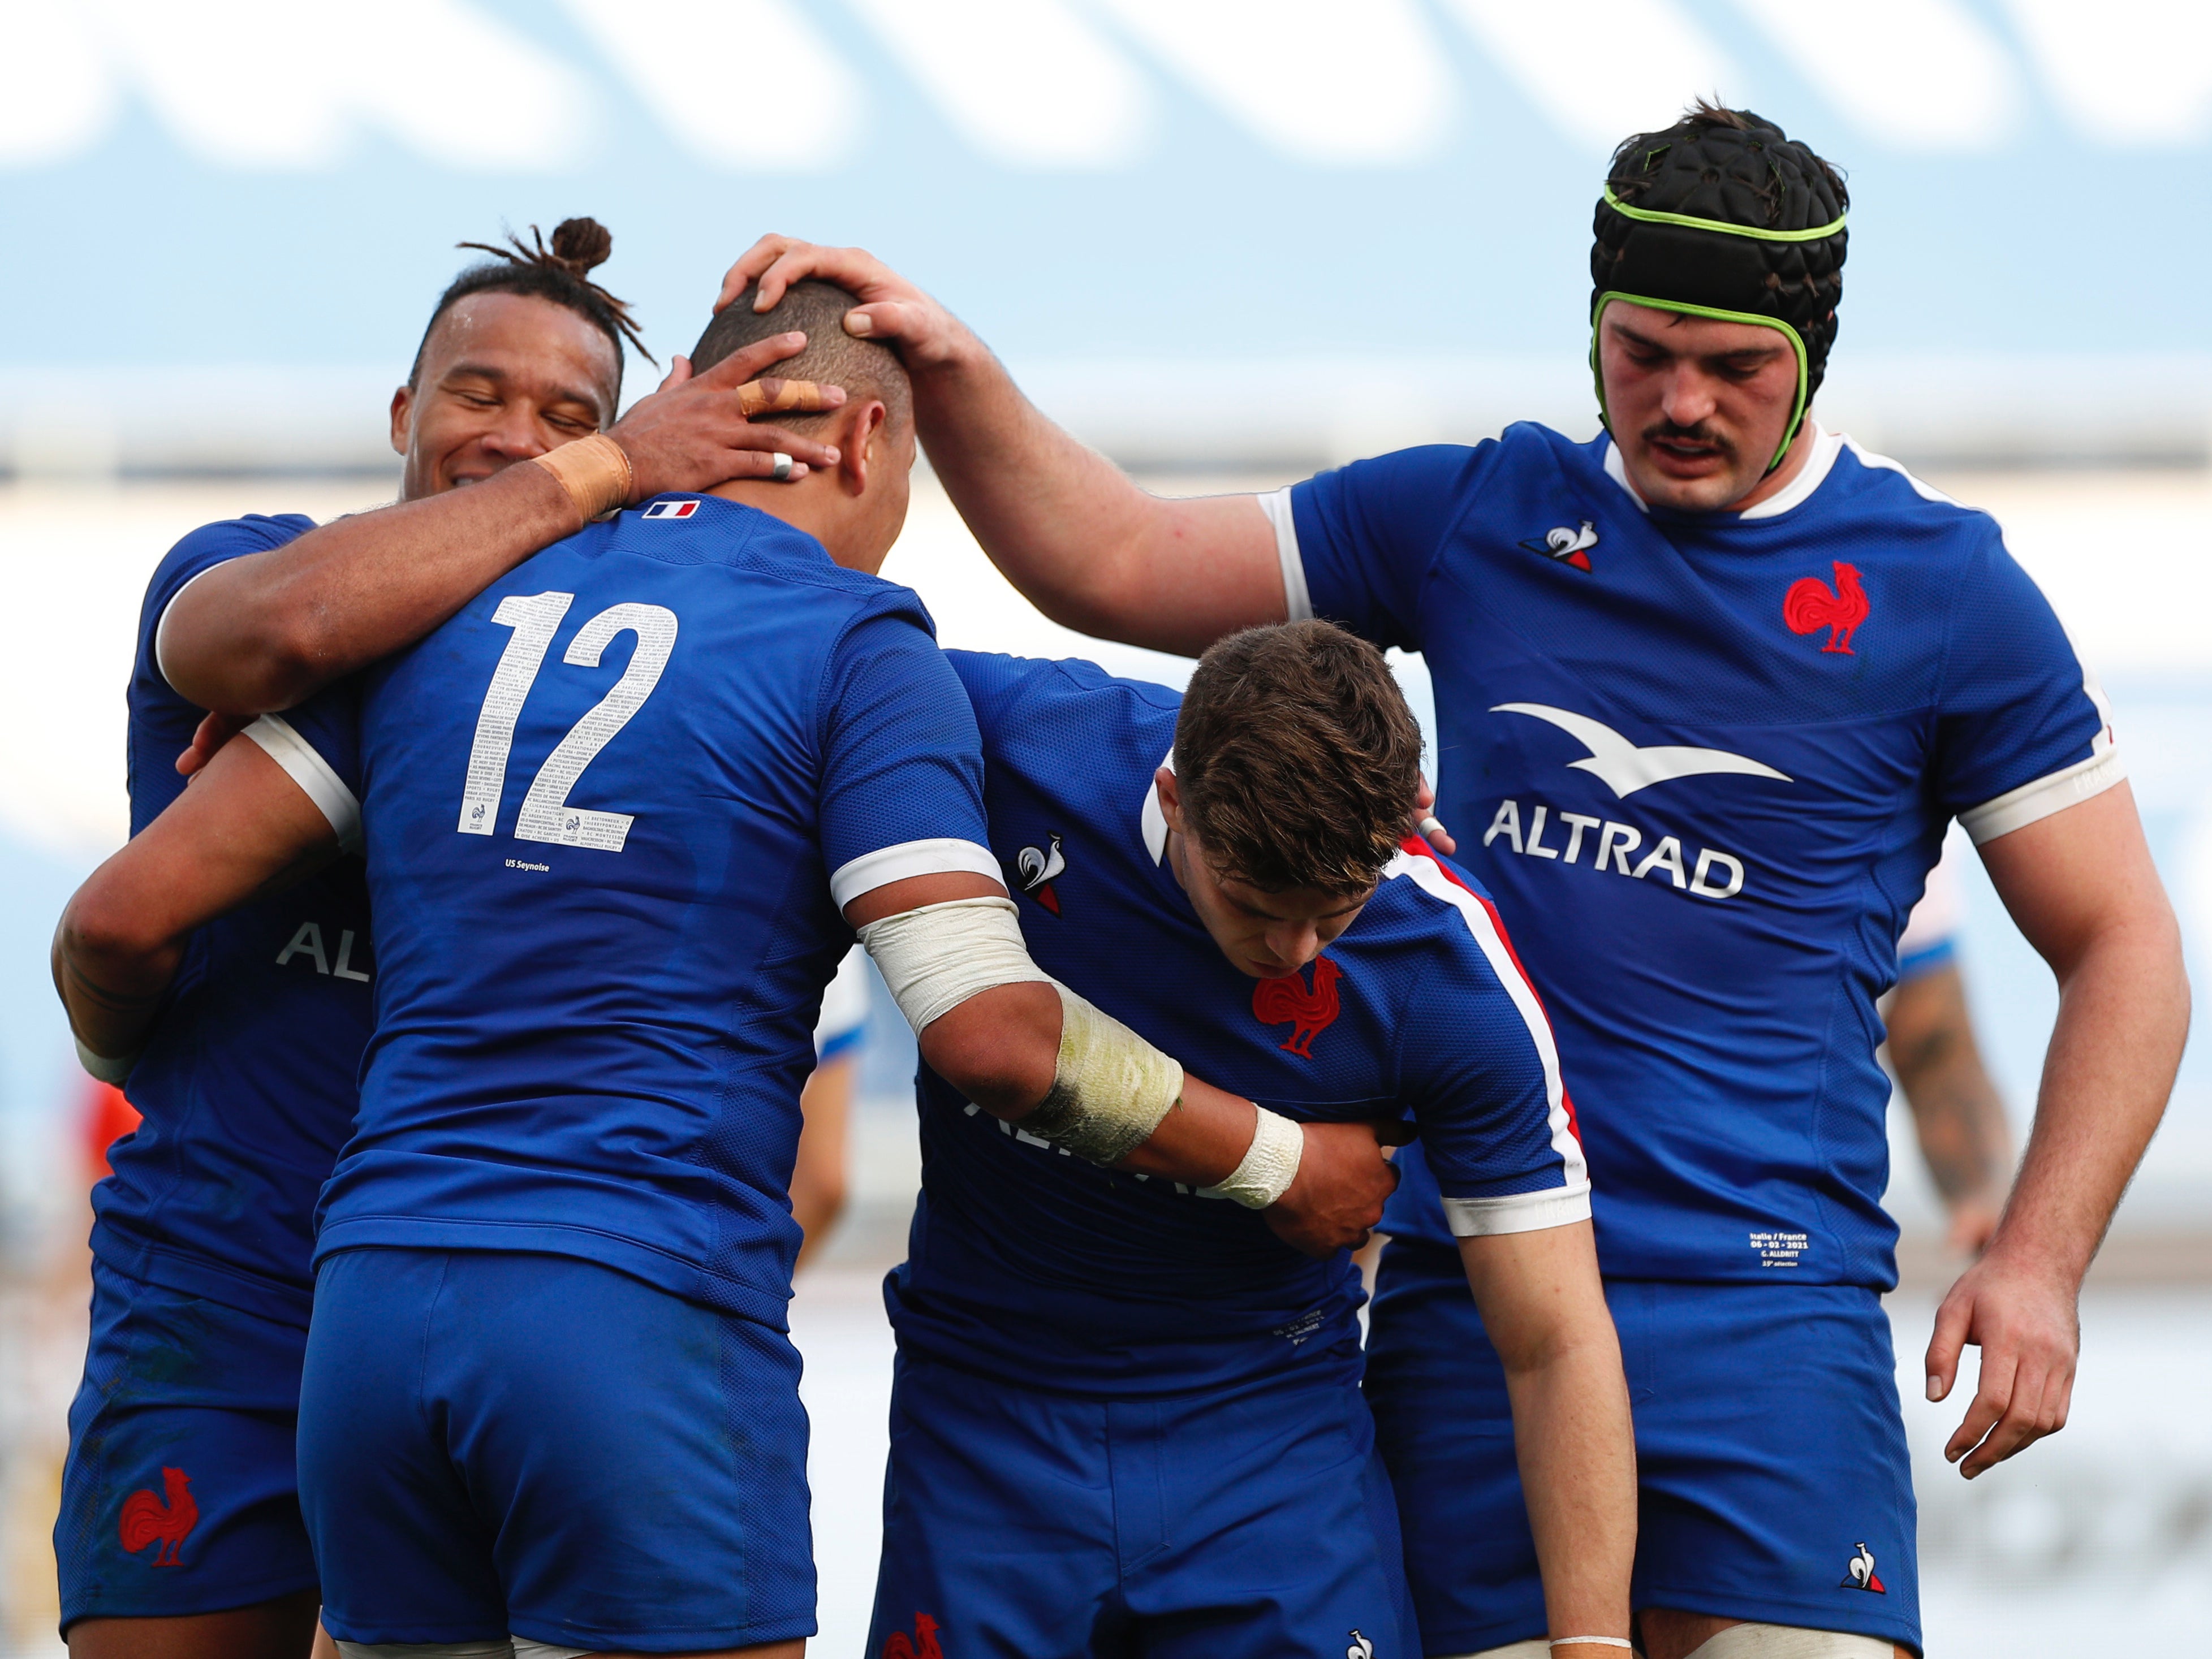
pixel 179 1495
pixel 496 1443
pixel 1769 1448
pixel 1248 1520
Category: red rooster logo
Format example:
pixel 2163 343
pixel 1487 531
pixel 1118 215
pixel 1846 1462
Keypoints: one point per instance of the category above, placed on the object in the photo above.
pixel 146 1518
pixel 1309 1012
pixel 925 1647
pixel 1810 604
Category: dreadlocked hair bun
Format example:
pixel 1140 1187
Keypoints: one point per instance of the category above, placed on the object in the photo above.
pixel 1732 167
pixel 560 273
pixel 582 245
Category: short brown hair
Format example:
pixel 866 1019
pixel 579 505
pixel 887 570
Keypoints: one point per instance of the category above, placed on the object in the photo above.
pixel 865 368
pixel 1297 758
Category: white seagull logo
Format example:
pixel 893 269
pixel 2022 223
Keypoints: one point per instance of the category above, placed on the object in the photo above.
pixel 1625 768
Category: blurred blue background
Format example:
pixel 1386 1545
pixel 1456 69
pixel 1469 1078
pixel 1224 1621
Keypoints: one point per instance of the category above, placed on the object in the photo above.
pixel 1230 241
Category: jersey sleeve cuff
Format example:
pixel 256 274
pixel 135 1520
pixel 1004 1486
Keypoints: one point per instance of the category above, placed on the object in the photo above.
pixel 1518 1212
pixel 1298 603
pixel 2032 802
pixel 944 856
pixel 162 627
pixel 276 738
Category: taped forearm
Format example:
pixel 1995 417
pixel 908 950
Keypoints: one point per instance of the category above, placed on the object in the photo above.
pixel 1110 1088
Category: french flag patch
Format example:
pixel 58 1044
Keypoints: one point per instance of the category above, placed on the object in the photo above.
pixel 672 509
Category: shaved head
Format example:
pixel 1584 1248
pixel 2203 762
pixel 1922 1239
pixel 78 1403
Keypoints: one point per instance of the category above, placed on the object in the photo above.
pixel 817 309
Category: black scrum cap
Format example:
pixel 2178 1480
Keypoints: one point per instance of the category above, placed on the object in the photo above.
pixel 1724 216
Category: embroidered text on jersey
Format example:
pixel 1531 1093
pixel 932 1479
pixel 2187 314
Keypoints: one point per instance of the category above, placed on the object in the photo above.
pixel 1309 1012
pixel 1037 867
pixel 1811 603
pixel 1567 546
pixel 1625 768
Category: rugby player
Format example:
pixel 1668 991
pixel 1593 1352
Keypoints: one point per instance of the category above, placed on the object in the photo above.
pixel 548 1400
pixel 1710 686
pixel 181 1452
pixel 1127 1419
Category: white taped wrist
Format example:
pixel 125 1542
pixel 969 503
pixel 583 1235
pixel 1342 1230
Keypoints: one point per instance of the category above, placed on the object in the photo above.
pixel 1110 1088
pixel 114 1070
pixel 936 957
pixel 1270 1163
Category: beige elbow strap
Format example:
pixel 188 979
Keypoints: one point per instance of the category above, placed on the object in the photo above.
pixel 1110 1088
pixel 937 957
pixel 594 470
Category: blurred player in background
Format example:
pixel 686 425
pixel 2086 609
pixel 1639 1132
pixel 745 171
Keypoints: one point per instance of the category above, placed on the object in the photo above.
pixel 1127 1419
pixel 548 1393
pixel 820 1177
pixel 182 1434
pixel 1710 688
pixel 1957 1114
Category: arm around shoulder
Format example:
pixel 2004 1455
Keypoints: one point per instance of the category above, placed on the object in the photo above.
pixel 242 828
pixel 266 631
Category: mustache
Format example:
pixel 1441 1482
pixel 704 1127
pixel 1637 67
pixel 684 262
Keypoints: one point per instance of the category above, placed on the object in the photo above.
pixel 1700 433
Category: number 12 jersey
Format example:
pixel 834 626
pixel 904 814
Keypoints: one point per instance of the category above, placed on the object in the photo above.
pixel 611 810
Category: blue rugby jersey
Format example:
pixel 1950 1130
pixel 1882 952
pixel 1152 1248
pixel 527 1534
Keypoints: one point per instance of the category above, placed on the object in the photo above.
pixel 1035 1266
pixel 612 809
pixel 1704 762
pixel 247 1082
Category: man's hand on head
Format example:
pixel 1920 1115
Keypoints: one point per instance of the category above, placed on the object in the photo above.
pixel 1345 1176
pixel 892 310
pixel 697 430
pixel 1426 824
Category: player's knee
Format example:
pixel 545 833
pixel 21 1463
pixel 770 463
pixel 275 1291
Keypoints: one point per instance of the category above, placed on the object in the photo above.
pixel 1790 1641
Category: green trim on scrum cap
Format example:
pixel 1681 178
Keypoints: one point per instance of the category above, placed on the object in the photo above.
pixel 1683 306
pixel 1652 216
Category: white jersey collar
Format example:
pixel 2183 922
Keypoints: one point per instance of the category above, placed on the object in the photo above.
pixel 1826 446
pixel 1153 820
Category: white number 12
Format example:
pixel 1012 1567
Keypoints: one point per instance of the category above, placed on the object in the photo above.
pixel 546 815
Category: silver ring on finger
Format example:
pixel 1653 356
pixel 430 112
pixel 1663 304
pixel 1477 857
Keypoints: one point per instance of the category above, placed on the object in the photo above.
pixel 782 466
